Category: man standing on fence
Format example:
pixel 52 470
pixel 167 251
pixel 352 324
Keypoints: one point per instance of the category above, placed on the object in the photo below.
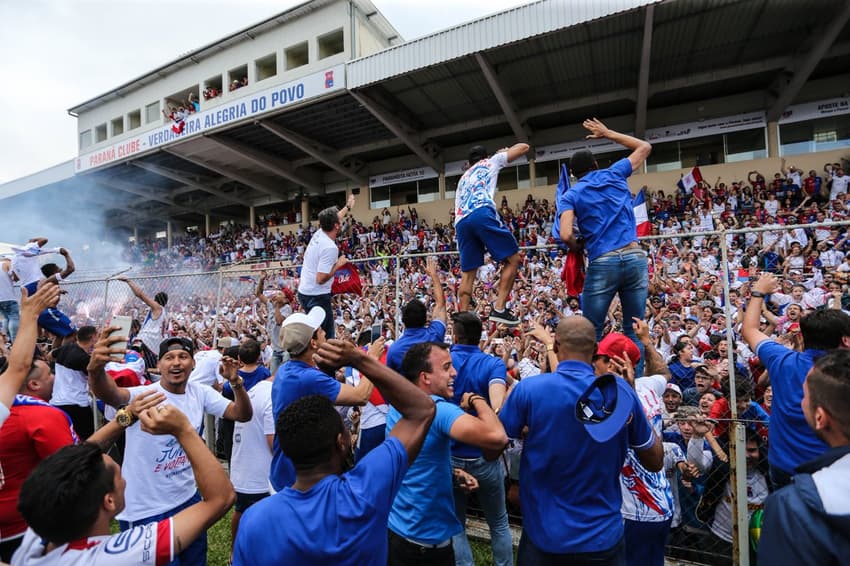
pixel 792 442
pixel 601 204
pixel 277 309
pixel 321 261
pixel 480 228
pixel 155 325
pixel 806 522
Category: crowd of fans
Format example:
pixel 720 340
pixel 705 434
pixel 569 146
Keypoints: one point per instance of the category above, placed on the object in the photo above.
pixel 688 317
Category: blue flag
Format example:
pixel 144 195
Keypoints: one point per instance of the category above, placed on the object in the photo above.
pixel 560 200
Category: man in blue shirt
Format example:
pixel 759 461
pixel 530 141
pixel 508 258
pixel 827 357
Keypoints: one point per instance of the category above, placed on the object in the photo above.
pixel 301 336
pixel 792 441
pixel 331 515
pixel 601 204
pixel 414 316
pixel 807 521
pixel 423 521
pixel 484 375
pixel 579 430
pixel 479 228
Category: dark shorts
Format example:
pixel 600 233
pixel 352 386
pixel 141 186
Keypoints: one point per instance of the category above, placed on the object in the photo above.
pixel 245 500
pixel 55 322
pixel 483 230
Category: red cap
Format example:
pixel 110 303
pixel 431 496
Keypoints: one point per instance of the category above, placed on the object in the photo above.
pixel 614 344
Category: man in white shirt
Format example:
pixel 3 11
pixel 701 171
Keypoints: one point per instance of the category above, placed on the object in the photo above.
pixel 155 324
pixel 321 261
pixel 840 183
pixel 159 475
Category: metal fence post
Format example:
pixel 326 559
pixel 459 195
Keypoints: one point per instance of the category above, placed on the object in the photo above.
pixel 398 304
pixel 737 436
pixel 209 427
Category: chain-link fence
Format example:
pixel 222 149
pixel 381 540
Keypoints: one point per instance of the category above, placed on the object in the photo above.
pixel 717 489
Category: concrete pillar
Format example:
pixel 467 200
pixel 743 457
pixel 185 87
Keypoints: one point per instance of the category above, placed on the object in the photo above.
pixel 206 225
pixel 252 216
pixel 441 183
pixel 168 233
pixel 305 211
pixel 773 139
pixel 532 173
pixel 136 234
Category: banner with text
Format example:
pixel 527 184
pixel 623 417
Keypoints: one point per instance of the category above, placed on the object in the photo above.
pixel 815 110
pixel 406 176
pixel 268 100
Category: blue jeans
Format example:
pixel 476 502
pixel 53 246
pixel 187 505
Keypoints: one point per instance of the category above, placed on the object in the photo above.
pixel 11 314
pixel 279 357
pixel 530 555
pixel 645 542
pixel 193 555
pixel 324 301
pixel 623 274
pixel 491 497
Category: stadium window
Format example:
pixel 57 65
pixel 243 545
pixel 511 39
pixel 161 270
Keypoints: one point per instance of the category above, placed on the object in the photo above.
pixel 117 126
pixel 745 146
pixel 823 134
pixel 331 43
pixel 428 190
pixel 212 87
pixel 701 151
pixel 451 186
pixel 100 133
pixel 266 67
pixel 236 77
pixel 161 235
pixel 379 197
pixel 517 177
pixel 296 55
pixel 664 157
pixel 399 194
pixel 134 120
pixel 85 139
pixel 547 172
pixel 152 113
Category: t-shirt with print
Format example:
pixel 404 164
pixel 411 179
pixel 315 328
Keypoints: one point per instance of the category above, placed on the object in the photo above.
pixel 646 495
pixel 252 457
pixel 477 186
pixel 145 545
pixel 158 473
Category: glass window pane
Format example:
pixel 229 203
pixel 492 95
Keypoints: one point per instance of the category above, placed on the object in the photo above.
pixel 823 134
pixel 547 173
pixel 429 190
pixel 451 186
pixel 664 157
pixel 508 179
pixel 701 151
pixel 379 197
pixel 523 176
pixel 745 146
pixel 403 193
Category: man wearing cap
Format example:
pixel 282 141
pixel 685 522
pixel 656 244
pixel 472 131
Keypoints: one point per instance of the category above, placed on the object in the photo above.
pixel 479 228
pixel 571 490
pixel 601 204
pixel 301 335
pixel 160 479
pixel 792 442
pixel 704 378
pixel 321 261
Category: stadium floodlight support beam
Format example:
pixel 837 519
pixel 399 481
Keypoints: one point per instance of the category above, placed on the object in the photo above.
pixel 276 165
pixel 245 179
pixel 788 84
pixel 314 149
pixel 522 132
pixel 187 181
pixel 400 128
pixel 643 72
pixel 146 193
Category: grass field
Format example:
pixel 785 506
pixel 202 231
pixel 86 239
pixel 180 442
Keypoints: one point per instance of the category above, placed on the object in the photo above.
pixel 218 540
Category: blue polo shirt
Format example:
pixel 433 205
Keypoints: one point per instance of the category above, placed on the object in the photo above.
pixel 340 520
pixel 603 208
pixel 792 441
pixel 295 380
pixel 434 332
pixel 476 371
pixel 424 509
pixel 569 484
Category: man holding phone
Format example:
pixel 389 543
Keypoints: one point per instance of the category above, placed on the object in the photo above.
pixel 158 473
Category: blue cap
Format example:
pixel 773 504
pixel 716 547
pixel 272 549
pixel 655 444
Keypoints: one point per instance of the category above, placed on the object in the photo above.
pixel 605 407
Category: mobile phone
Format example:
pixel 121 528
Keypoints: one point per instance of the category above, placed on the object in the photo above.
pixel 124 323
pixel 376 331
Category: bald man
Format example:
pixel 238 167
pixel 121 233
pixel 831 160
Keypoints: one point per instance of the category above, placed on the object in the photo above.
pixel 571 490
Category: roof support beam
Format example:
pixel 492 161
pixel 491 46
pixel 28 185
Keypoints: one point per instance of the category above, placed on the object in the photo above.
pixel 400 129
pixel 276 165
pixel 521 131
pixel 788 84
pixel 189 182
pixel 314 149
pixel 148 194
pixel 245 179
pixel 643 73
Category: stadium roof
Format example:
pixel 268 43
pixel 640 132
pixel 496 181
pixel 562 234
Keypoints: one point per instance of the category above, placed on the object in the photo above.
pixel 523 73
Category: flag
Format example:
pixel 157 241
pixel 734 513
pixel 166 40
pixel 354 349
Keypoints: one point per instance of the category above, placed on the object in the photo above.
pixel 560 200
pixel 347 280
pixel 689 181
pixel 644 226
pixel 573 273
pixel 246 278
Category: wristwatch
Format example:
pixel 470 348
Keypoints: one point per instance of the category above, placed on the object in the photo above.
pixel 237 383
pixel 550 347
pixel 757 294
pixel 125 417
